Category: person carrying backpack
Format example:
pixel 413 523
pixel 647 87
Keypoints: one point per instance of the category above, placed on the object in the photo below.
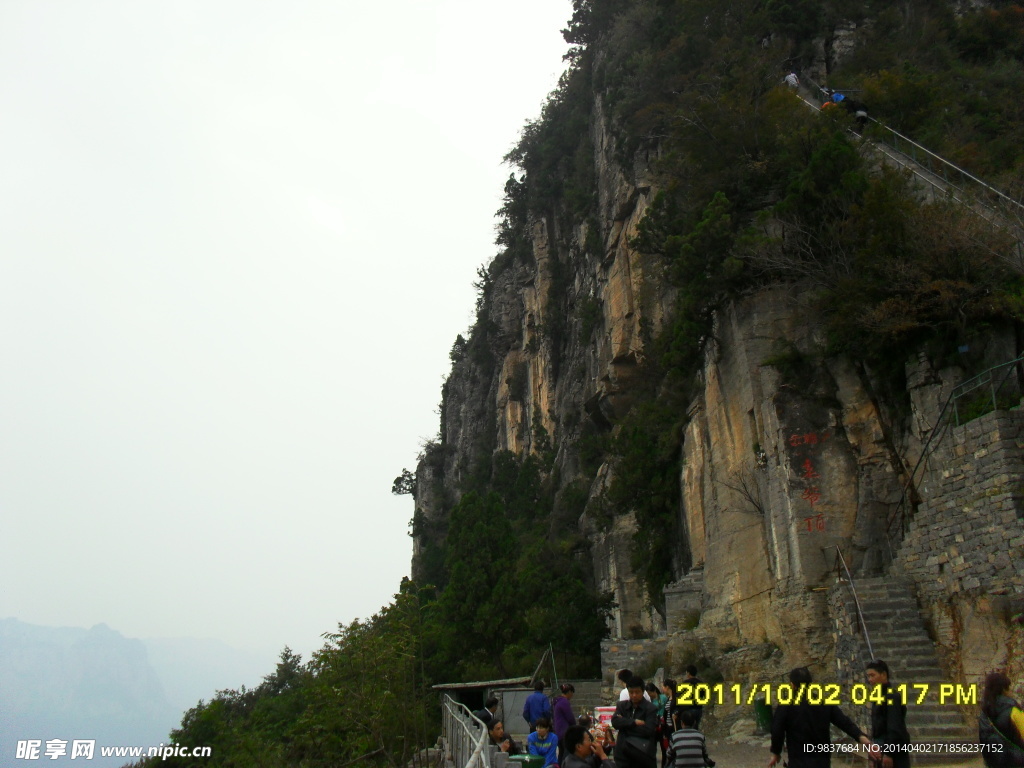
pixel 1000 724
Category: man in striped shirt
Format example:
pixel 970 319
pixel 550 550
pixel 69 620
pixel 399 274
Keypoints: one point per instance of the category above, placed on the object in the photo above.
pixel 688 747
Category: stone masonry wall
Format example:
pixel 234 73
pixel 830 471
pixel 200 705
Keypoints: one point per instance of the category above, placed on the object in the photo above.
pixel 847 635
pixel 640 656
pixel 969 532
pixel 964 548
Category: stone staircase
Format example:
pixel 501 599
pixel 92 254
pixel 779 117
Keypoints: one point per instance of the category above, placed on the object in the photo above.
pixel 897 630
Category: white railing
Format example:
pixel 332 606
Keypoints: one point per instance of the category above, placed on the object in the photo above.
pixel 465 736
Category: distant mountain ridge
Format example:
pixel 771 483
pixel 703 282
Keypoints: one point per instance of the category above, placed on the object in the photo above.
pixel 73 683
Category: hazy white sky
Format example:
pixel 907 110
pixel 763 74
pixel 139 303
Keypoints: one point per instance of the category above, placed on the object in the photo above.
pixel 238 239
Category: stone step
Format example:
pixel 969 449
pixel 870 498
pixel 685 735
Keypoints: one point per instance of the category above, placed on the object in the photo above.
pixel 878 595
pixel 888 603
pixel 906 639
pixel 896 622
pixel 902 670
pixel 904 650
pixel 933 717
pixel 885 589
pixel 889 651
pixel 894 656
pixel 912 615
pixel 907 614
pixel 931 734
pixel 880 630
pixel 933 675
pixel 897 657
pixel 905 668
pixel 929 726
pixel 897 630
pixel 909 632
pixel 870 613
pixel 933 707
pixel 870 603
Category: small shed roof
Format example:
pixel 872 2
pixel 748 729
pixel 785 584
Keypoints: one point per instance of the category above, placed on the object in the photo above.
pixel 510 682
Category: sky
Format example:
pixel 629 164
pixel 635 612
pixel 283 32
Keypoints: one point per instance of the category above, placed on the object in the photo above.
pixel 237 241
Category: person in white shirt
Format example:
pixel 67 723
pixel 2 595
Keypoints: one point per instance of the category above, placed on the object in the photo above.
pixel 623 676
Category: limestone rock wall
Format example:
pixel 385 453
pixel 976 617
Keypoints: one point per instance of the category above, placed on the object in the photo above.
pixel 788 454
pixel 782 464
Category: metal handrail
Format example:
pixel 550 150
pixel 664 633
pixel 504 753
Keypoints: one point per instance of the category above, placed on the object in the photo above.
pixel 946 163
pixel 939 430
pixel 912 165
pixel 986 377
pixel 856 602
pixel 1015 206
pixel 465 748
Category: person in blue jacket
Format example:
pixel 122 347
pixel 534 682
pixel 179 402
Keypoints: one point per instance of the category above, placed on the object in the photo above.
pixel 543 743
pixel 537 706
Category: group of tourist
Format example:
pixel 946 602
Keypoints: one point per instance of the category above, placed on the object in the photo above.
pixel 647 719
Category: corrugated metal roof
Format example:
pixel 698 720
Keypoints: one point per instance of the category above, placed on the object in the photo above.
pixel 507 683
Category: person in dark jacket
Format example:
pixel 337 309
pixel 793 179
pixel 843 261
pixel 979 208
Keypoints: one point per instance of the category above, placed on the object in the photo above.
pixel 486 715
pixel 693 681
pixel 581 751
pixel 536 706
pixel 804 725
pixel 564 717
pixel 636 720
pixel 502 740
pixel 1003 718
pixel 888 719
pixel 668 719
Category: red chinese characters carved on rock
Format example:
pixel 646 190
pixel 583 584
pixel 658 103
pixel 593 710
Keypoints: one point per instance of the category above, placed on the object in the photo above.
pixel 808 438
pixel 811 495
pixel 809 473
pixel 815 522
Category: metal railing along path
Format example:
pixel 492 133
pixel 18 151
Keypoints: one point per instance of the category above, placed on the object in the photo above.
pixel 945 178
pixel 464 734
pixel 952 175
pixel 996 386
pixel 856 600
pixel 999 386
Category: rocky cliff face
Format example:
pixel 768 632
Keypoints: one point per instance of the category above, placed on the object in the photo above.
pixel 788 455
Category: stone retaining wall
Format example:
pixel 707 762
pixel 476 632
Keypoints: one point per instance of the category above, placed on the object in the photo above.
pixel 969 532
pixel 964 548
pixel 640 656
